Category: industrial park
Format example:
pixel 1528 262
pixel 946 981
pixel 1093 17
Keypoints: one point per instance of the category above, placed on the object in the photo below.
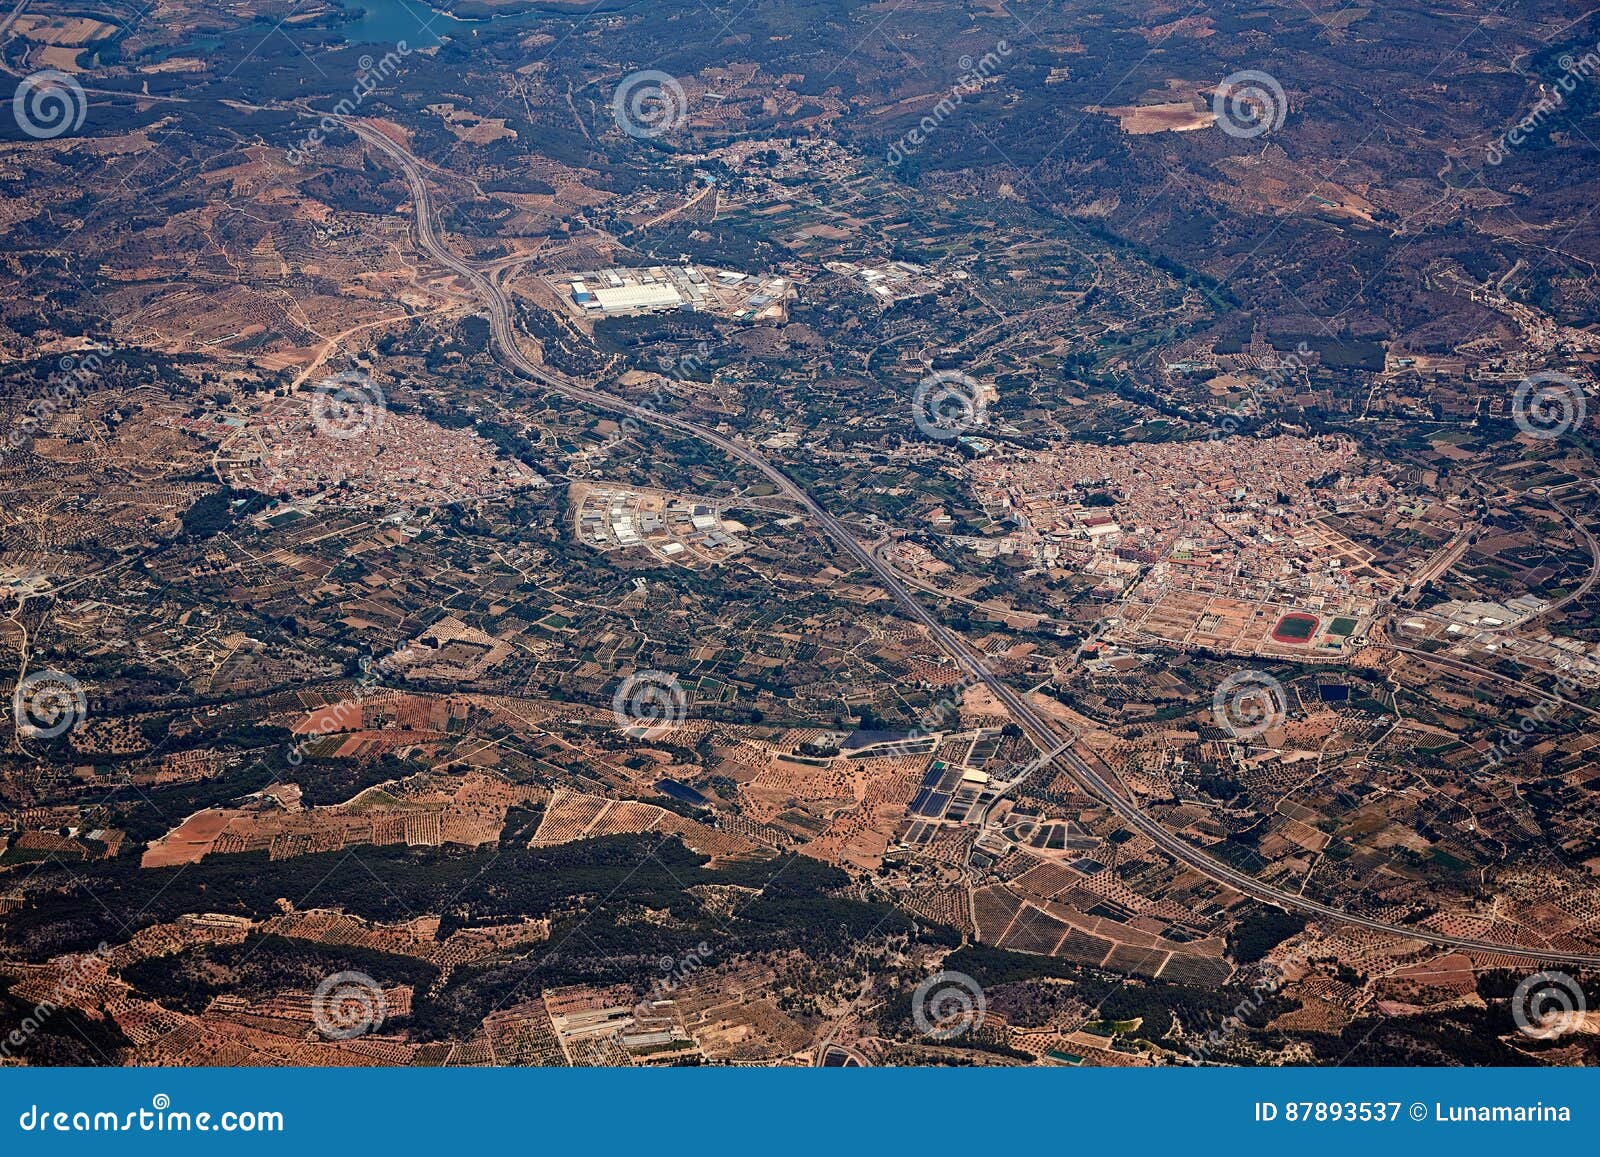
pixel 675 528
pixel 629 292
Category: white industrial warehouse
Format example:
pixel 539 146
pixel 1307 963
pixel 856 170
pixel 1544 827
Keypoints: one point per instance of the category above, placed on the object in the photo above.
pixel 622 291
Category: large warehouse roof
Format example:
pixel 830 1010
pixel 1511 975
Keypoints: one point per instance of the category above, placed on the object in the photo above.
pixel 615 299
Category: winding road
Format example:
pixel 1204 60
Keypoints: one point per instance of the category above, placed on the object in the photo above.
pixel 1038 729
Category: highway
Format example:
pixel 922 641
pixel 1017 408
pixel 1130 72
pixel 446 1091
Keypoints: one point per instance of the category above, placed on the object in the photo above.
pixel 1038 729
pixel 1582 590
pixel 11 17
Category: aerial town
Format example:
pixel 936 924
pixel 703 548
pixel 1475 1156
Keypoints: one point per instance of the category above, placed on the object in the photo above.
pixel 922 536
